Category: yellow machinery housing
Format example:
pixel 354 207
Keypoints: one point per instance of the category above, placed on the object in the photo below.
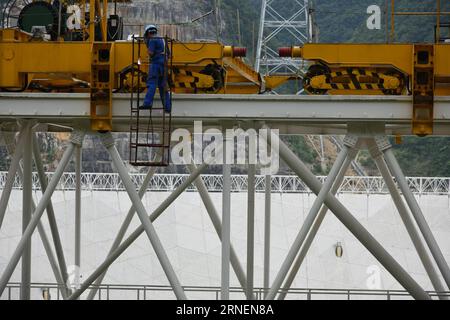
pixel 102 67
pixel 65 65
pixel 422 70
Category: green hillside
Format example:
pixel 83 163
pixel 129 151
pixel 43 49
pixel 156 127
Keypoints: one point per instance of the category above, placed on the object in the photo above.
pixel 344 21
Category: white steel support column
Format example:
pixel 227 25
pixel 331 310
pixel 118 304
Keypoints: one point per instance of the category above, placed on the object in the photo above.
pixel 51 257
pixel 76 139
pixel 226 221
pixel 27 196
pixel 260 35
pixel 50 211
pixel 109 143
pixel 395 169
pixel 353 224
pixel 136 233
pixel 251 230
pixel 215 219
pixel 48 250
pixel 11 148
pixel 15 163
pixel 406 218
pixel 78 159
pixel 307 224
pixel 315 228
pixel 267 216
pixel 52 260
pixel 125 225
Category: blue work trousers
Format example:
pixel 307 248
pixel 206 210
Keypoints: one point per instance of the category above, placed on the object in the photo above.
pixel 157 78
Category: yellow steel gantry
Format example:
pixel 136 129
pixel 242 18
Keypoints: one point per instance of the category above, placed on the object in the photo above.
pixel 422 70
pixel 102 67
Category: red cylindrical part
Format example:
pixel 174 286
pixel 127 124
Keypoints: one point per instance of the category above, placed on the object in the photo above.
pixel 285 52
pixel 239 52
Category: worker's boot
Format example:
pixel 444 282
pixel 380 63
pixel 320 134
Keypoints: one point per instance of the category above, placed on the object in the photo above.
pixel 167 102
pixel 168 106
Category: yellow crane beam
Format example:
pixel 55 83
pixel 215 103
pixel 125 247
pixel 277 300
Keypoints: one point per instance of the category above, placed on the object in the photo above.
pixel 422 70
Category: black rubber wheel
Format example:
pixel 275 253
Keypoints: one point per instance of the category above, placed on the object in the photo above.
pixel 401 88
pixel 218 74
pixel 128 70
pixel 313 71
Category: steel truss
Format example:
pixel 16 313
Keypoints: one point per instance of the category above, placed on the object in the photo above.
pixel 274 24
pixel 239 183
pixel 325 189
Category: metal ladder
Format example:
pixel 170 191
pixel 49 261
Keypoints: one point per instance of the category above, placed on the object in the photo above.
pixel 149 133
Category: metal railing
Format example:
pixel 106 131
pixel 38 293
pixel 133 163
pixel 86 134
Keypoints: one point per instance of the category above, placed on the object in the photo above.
pixel 155 292
pixel 214 183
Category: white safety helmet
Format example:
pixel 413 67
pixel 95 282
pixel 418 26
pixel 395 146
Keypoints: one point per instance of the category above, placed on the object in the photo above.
pixel 151 28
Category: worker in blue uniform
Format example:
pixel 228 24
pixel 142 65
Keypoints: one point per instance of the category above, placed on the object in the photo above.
pixel 157 72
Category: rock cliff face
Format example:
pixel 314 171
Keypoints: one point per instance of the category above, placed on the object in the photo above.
pixel 178 13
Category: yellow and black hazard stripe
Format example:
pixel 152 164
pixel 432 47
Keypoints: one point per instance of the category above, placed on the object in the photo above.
pixel 186 84
pixel 353 77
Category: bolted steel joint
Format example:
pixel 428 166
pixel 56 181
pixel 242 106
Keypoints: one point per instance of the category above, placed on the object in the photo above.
pixel 9 140
pixel 107 140
pixel 374 151
pixel 23 123
pixel 77 137
pixel 383 143
pixel 351 141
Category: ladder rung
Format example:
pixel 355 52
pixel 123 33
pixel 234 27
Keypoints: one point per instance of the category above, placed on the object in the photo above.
pixel 149 164
pixel 150 145
pixel 145 135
